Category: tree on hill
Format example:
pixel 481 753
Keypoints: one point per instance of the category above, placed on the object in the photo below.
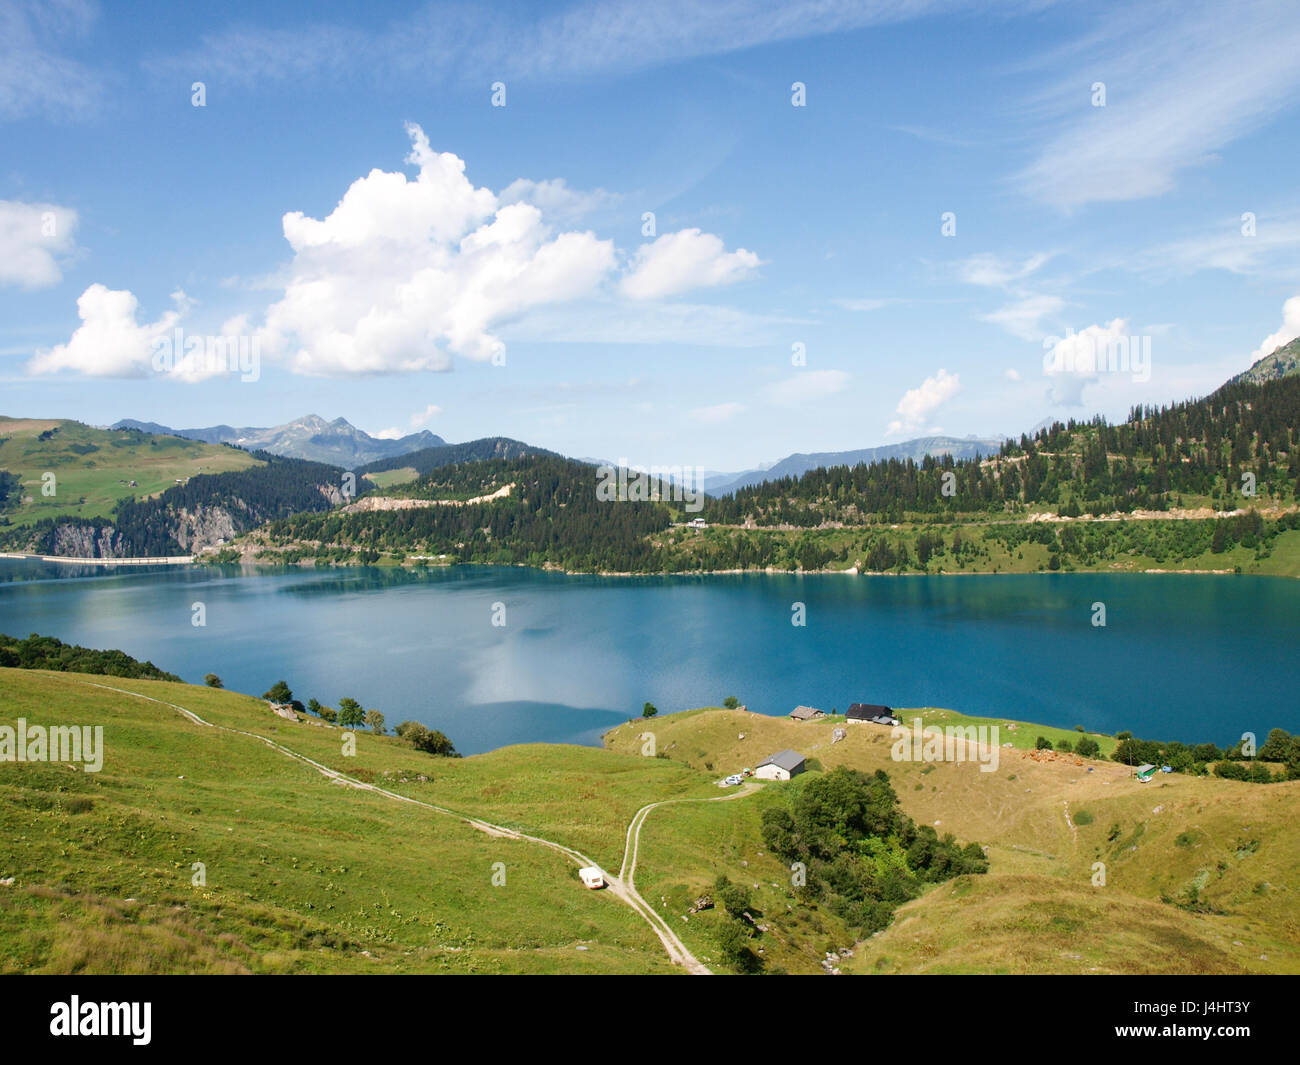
pixel 212 680
pixel 731 702
pixel 649 710
pixel 1087 748
pixel 279 693
pixel 350 713
pixel 375 722
pixel 863 856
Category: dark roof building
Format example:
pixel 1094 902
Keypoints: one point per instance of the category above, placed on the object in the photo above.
pixel 866 711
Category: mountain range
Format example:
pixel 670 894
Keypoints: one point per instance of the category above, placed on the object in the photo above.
pixel 337 442
pixel 799 463
pixel 340 443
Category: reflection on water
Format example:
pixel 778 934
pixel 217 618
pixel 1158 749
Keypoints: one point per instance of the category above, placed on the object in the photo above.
pixel 578 655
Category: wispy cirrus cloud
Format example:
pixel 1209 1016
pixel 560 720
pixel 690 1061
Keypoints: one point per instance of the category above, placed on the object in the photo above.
pixel 1027 304
pixel 1262 245
pixel 991 270
pixel 807 386
pixel 1183 80
pixel 448 41
pixel 717 413
pixel 1024 317
pixel 36 77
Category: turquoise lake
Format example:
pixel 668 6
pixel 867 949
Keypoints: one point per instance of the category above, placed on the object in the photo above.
pixel 1180 657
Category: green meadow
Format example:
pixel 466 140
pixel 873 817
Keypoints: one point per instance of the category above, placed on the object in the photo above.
pixel 93 468
pixel 302 872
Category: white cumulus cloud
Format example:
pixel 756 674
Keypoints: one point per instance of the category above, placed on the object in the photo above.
pixel 405 274
pixel 34 237
pixel 109 342
pixel 1076 360
pixel 687 259
pixel 1289 331
pixel 918 404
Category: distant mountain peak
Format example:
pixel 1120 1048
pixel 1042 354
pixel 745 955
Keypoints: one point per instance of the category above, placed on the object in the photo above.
pixel 311 437
pixel 801 462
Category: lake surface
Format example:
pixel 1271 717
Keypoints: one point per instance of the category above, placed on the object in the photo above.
pixel 1181 657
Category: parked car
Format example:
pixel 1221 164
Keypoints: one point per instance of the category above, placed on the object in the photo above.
pixel 734 779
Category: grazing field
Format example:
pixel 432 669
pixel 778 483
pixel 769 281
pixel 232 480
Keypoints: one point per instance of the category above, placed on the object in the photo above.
pixel 94 468
pixel 1200 873
pixel 389 478
pixel 302 874
pixel 305 871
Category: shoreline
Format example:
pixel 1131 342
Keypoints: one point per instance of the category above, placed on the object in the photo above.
pixel 852 571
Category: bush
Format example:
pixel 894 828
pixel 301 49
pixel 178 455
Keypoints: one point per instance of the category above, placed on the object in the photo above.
pixel 1043 743
pixel 734 898
pixel 1087 748
pixel 734 948
pixel 431 741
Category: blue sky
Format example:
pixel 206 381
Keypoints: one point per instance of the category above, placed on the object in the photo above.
pixel 523 296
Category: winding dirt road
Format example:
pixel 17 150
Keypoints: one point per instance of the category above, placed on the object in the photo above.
pixel 621 886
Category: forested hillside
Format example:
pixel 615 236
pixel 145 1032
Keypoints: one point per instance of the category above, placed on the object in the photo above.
pixel 431 458
pixel 1188 454
pixel 551 516
pixel 1205 484
pixel 199 513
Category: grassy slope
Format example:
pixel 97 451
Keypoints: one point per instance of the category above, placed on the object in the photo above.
pixel 302 874
pixel 1036 910
pixel 154 462
pixel 305 875
pixel 391 478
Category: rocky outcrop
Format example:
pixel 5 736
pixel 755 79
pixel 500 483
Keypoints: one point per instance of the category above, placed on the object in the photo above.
pixel 204 527
pixel 87 541
pixel 332 492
